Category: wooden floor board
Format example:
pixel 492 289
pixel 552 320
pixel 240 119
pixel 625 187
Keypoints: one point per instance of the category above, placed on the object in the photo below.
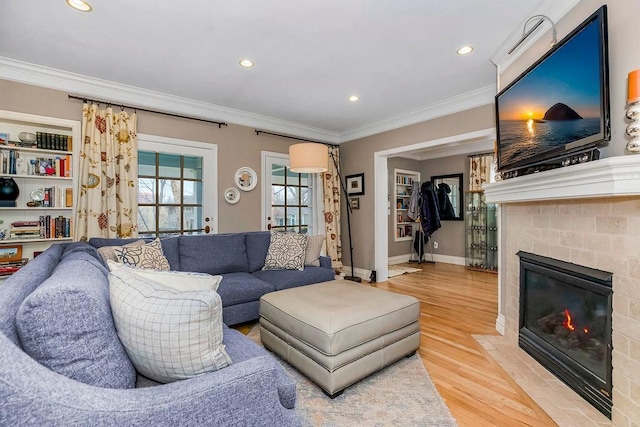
pixel 455 305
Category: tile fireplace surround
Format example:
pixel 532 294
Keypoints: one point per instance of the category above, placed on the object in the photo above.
pixel 587 214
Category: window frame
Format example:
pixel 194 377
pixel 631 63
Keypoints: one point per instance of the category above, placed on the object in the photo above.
pixel 181 147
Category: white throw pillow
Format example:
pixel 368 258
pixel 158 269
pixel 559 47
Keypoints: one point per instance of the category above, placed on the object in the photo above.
pixel 286 251
pixel 169 335
pixel 145 256
pixel 314 248
pixel 181 280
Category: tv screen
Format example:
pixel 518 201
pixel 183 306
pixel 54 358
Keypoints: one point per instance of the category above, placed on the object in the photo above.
pixel 560 104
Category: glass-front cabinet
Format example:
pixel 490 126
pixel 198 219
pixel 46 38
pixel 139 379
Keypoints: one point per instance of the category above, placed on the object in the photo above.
pixel 481 233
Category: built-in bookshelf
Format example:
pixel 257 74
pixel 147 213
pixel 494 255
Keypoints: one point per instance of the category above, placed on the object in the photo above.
pixel 45 172
pixel 403 224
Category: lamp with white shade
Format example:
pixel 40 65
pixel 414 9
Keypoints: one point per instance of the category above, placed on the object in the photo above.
pixel 309 157
pixel 313 157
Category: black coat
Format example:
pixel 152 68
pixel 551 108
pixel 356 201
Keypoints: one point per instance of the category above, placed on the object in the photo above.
pixel 429 216
pixel 445 208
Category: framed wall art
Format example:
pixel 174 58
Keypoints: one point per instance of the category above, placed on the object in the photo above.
pixel 10 253
pixel 355 202
pixel 355 184
pixel 246 178
pixel 232 195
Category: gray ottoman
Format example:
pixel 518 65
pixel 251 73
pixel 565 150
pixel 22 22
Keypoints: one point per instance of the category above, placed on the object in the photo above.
pixel 338 332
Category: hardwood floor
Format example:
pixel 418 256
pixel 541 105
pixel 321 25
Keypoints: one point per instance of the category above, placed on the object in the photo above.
pixel 456 304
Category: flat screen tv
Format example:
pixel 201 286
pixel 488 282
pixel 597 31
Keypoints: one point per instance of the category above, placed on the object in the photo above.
pixel 560 104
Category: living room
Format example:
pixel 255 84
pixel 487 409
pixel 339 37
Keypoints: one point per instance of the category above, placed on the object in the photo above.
pixel 530 222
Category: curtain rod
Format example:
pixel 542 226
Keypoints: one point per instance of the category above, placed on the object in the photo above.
pixel 85 99
pixel 258 132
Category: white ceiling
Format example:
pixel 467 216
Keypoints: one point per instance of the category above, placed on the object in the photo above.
pixel 398 56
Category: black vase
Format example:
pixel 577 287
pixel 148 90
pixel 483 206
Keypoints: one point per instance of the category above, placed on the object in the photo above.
pixel 8 189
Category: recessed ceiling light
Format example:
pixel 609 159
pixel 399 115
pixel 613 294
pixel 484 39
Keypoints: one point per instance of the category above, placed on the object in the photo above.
pixel 353 98
pixel 80 5
pixel 465 50
pixel 246 63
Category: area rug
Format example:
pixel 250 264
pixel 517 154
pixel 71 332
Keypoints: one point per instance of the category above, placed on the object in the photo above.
pixel 397 270
pixel 400 395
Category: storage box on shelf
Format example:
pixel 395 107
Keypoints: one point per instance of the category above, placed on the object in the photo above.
pixel 45 173
pixel 404 225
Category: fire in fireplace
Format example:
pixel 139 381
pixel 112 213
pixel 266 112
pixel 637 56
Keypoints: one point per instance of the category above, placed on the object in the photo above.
pixel 565 324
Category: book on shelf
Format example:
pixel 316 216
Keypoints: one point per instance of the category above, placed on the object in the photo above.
pixel 54 227
pixel 59 166
pixel 51 141
pixel 7 268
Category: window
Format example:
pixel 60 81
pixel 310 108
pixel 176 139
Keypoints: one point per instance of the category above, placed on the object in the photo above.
pixel 289 199
pixel 170 194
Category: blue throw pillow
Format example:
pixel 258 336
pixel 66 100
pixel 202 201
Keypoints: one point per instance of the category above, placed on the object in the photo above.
pixel 67 326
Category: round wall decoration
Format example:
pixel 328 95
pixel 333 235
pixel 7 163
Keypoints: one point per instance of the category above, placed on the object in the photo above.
pixel 246 178
pixel 232 195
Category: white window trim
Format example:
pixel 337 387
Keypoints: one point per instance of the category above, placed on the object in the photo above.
pixel 209 167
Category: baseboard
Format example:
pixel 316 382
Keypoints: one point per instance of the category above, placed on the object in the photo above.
pixel 399 259
pixel 447 259
pixel 500 324
pixel 358 272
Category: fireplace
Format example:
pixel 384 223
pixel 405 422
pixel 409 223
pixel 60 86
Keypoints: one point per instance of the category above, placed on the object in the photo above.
pixel 565 324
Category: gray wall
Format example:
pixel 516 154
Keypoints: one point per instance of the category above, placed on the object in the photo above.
pixel 451 236
pixel 237 145
pixel 404 247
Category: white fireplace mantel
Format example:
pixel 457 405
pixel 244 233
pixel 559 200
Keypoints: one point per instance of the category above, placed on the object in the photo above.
pixel 610 177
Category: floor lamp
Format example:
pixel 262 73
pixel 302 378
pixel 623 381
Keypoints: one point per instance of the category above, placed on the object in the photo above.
pixel 312 157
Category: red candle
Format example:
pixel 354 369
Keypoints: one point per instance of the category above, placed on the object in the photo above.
pixel 633 95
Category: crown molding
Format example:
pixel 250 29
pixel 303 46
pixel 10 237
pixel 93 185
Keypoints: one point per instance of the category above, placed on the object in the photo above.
pixel 465 101
pixel 81 85
pixel 554 9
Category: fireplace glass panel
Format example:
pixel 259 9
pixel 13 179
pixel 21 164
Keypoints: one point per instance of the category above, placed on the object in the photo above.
pixel 571 319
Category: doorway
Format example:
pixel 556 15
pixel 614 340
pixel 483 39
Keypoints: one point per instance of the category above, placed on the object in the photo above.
pixel 468 143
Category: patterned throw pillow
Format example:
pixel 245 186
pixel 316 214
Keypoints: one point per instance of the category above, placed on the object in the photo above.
pixel 180 280
pixel 109 252
pixel 312 253
pixel 146 256
pixel 169 335
pixel 286 252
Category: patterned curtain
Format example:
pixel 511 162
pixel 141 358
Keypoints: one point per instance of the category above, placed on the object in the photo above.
pixel 108 203
pixel 479 171
pixel 331 197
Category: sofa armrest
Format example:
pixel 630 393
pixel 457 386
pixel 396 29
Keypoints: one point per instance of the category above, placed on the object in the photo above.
pixel 242 394
pixel 325 261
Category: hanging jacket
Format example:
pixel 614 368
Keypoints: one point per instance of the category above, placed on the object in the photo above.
pixel 413 210
pixel 429 217
pixel 445 208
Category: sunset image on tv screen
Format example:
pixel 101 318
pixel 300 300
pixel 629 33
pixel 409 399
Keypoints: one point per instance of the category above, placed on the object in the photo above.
pixel 557 102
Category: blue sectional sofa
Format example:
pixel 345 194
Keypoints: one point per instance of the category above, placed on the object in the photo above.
pixel 238 258
pixel 254 390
